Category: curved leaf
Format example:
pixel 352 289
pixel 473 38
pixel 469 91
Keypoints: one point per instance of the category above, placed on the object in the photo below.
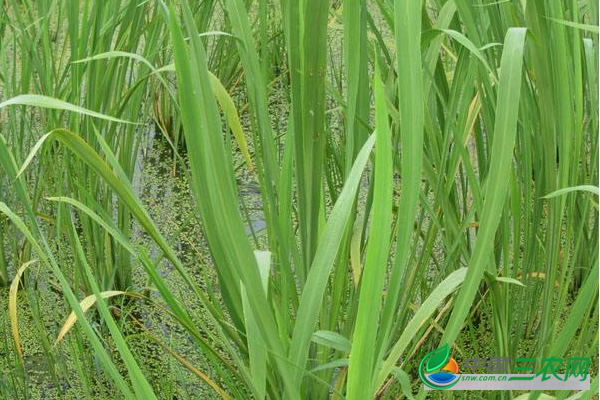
pixel 333 340
pixel 429 306
pixel 581 188
pixel 85 305
pixel 12 306
pixel 37 100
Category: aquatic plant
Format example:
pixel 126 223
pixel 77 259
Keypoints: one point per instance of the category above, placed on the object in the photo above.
pixel 432 169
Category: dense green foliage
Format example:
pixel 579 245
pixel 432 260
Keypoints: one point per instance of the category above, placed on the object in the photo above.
pixel 426 172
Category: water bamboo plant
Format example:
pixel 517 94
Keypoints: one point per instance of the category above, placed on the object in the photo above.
pixel 426 171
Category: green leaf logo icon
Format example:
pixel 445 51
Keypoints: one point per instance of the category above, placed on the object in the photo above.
pixel 434 361
pixel 437 358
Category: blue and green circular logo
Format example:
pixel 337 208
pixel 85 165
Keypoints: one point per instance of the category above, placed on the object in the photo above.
pixel 444 379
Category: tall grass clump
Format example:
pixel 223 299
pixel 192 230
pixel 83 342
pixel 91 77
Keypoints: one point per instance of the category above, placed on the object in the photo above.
pixel 422 173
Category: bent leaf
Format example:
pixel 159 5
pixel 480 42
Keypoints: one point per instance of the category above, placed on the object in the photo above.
pixel 581 188
pixel 333 340
pixel 12 306
pixel 37 100
pixel 223 98
pixel 85 304
pixel 429 306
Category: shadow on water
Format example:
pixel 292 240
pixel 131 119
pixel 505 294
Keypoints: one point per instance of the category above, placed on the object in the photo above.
pixel 158 176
